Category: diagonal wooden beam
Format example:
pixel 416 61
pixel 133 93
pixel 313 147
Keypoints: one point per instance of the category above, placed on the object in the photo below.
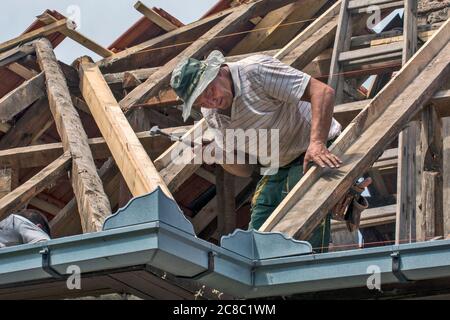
pixel 364 139
pixel 69 31
pixel 22 97
pixel 278 26
pixel 154 17
pixel 30 127
pixel 141 54
pixel 91 198
pixel 135 165
pixel 41 32
pixel 199 48
pixel 67 221
pixel 21 195
pixel 313 40
pixel 15 54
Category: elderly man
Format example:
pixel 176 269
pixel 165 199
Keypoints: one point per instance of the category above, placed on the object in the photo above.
pixel 260 92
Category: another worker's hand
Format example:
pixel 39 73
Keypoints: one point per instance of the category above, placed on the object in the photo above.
pixel 319 154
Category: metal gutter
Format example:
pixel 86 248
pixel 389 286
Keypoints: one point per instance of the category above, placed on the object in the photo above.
pixel 152 231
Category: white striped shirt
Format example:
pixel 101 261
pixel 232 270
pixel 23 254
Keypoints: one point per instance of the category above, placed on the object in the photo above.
pixel 268 96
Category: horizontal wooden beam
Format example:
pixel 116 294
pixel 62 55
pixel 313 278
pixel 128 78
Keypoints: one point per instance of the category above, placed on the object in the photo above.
pixel 42 154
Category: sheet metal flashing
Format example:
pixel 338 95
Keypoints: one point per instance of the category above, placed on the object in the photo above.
pixel 152 231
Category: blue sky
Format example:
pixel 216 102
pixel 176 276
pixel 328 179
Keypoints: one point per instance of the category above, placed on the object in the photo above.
pixel 101 20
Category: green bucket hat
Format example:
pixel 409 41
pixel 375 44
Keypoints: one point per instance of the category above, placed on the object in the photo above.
pixel 191 77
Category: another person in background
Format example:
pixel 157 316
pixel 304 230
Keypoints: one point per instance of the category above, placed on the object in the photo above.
pixel 26 226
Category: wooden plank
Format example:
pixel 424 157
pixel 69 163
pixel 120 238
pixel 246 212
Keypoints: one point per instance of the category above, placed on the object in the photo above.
pixel 22 71
pixel 30 127
pixel 446 173
pixel 42 154
pixel 199 48
pixel 210 211
pixel 134 57
pixel 154 17
pixel 406 184
pixel 91 198
pixel 341 44
pixel 134 163
pixel 22 97
pixel 172 171
pixel 408 172
pixel 318 33
pixel 5 181
pixel 70 32
pixel 346 112
pixel 226 218
pixel 356 4
pixel 430 222
pixel 144 73
pixel 14 200
pixel 370 52
pixel 287 217
pixel 45 206
pixel 67 221
pixel 15 54
pixel 264 29
pixel 382 7
pixel 41 32
pixel 303 15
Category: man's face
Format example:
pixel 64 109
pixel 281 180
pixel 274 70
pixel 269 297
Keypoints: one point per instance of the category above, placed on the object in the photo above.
pixel 218 94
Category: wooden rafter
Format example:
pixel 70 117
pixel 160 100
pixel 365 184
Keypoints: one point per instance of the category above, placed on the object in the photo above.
pixel 150 14
pixel 21 195
pixel 69 31
pixel 41 32
pixel 134 163
pixel 30 126
pixel 22 97
pixel 91 198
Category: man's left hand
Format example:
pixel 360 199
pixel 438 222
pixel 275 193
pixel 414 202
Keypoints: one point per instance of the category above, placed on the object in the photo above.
pixel 319 154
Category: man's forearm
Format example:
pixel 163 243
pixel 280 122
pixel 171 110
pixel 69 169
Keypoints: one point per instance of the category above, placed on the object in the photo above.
pixel 322 107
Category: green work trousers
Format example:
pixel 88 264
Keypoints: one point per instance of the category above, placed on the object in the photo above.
pixel 269 193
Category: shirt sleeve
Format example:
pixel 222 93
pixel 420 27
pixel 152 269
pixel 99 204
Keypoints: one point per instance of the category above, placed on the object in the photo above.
pixel 31 233
pixel 281 81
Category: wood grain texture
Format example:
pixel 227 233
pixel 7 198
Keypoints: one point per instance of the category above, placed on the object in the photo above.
pixel 24 193
pixel 362 142
pixel 88 188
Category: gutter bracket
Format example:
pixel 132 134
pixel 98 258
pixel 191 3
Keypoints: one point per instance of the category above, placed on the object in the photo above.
pixel 396 270
pixel 47 266
pixel 211 268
